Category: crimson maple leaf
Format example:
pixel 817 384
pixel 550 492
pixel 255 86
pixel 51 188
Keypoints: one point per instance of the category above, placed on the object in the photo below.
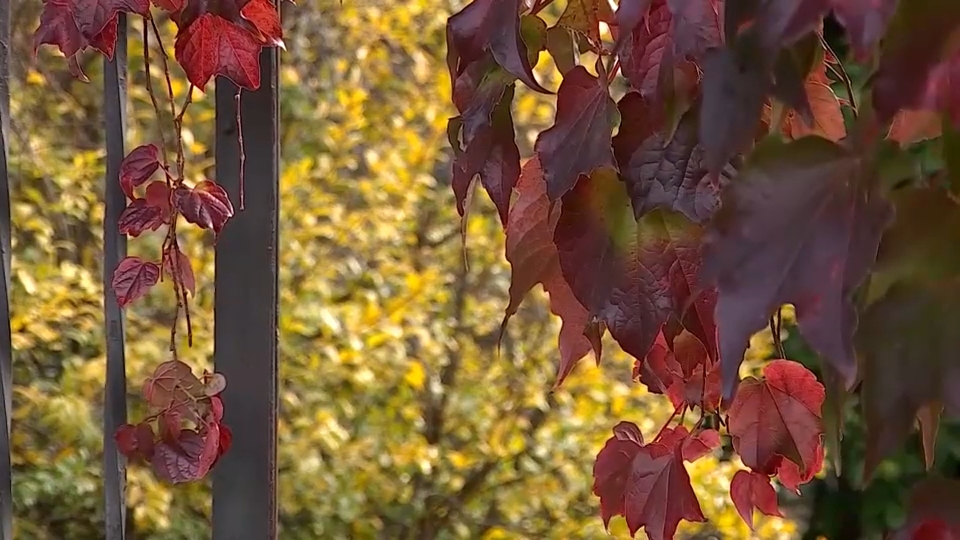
pixel 73 25
pixel 225 38
pixel 802 215
pixel 632 275
pixel 578 143
pixel 753 490
pixel 776 417
pixel 533 259
pixel 489 26
pixel 647 484
pixel 827 119
pixel 664 171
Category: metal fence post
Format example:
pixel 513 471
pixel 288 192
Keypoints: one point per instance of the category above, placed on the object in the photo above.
pixel 244 481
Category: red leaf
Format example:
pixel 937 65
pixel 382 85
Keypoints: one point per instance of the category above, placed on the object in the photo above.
pixel 644 45
pixel 932 511
pixel 676 369
pixel 661 172
pixel 633 276
pixel 825 107
pixel 533 259
pixel 752 490
pixel 801 215
pixel 789 475
pixel 158 195
pixel 226 438
pixel 180 461
pixel 206 205
pixel 483 94
pixel 211 45
pixel 172 385
pixel 695 28
pixel 909 59
pixel 613 467
pixel 216 407
pixel 693 446
pixel 658 493
pixel 73 25
pixel 489 26
pixel 176 263
pixel 264 22
pixel 126 438
pixel 139 216
pixel 578 143
pixel 132 278
pixel 138 167
pixel 211 450
pixel 778 416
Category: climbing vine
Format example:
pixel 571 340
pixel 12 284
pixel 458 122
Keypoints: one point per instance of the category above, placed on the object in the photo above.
pixel 184 434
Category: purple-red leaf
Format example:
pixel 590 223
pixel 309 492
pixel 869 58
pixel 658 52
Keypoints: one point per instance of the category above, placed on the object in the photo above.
pixel 778 416
pixel 132 278
pixel 753 490
pixel 662 171
pixel 909 58
pixel 533 259
pixel 73 25
pixel 206 205
pixel 483 94
pixel 647 484
pixel 178 461
pixel 176 265
pixel 139 216
pixel 489 26
pixel 138 167
pixel 631 275
pixel 578 143
pixel 799 225
pixel 735 88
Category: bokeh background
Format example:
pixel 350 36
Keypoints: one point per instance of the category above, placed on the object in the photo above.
pixel 398 420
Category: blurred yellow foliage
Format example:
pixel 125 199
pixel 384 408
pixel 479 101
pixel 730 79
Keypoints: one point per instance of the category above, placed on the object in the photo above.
pixel 398 419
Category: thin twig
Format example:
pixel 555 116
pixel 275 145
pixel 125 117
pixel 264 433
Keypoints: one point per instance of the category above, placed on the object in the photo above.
pixel 153 96
pixel 840 71
pixel 243 155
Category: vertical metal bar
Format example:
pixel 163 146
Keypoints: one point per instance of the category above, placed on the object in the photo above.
pixel 114 250
pixel 245 331
pixel 6 348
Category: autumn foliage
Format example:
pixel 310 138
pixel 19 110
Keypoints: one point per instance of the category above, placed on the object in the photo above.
pixel 185 435
pixel 727 180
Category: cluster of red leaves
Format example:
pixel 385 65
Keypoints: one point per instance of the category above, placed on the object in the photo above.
pixel 225 38
pixel 214 38
pixel 721 186
pixel 189 436
pixel 206 205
